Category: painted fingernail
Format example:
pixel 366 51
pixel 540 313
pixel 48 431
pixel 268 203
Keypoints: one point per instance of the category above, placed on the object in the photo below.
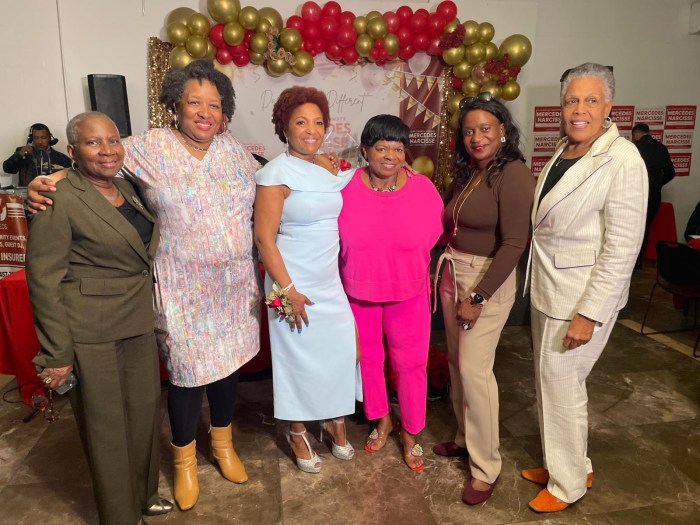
pixel 298 330
pixel 291 328
pixel 281 319
pixel 312 303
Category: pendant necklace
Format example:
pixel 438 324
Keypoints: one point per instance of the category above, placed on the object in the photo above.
pixel 384 190
pixel 457 209
pixel 187 143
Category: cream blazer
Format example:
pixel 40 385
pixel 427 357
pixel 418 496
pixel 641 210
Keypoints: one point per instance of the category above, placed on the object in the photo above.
pixel 587 231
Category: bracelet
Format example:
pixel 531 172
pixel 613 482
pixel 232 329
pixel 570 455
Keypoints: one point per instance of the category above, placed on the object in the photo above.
pixel 288 287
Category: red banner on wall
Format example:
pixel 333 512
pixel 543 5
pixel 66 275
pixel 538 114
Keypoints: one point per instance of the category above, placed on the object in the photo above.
pixel 13 234
pixel 680 117
pixel 623 116
pixel 537 164
pixel 681 163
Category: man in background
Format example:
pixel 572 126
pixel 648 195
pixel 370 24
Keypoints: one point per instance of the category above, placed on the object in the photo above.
pixel 37 157
pixel 660 171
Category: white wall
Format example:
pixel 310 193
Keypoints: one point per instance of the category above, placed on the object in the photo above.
pixel 647 41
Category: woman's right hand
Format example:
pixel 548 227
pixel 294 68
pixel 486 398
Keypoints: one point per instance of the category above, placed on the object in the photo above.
pixel 299 302
pixel 35 201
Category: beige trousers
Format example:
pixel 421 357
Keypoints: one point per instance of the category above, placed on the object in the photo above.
pixel 562 402
pixel 471 354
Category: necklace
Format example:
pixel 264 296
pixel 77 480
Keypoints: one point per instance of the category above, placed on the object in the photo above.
pixel 457 209
pixel 384 190
pixel 187 143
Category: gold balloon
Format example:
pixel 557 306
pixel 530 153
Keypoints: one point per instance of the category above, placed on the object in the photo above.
pixel 510 90
pixel 179 57
pixel 248 17
pixel 233 33
pixel 453 55
pixel 476 53
pixel 277 67
pixel 196 46
pixel 471 32
pixel 373 14
pixel 305 63
pixel 452 25
pixel 376 27
pixel 181 15
pixel 453 103
pixel 198 24
pixel 290 39
pixel 256 58
pixel 363 45
pixel 271 15
pixel 391 43
pixel 447 180
pixel 178 33
pixel 224 11
pixel 211 49
pixel 491 87
pixel 462 70
pixel 264 25
pixel 491 50
pixel 258 42
pixel 486 32
pixel 424 165
pixel 519 49
pixel 470 87
pixel 454 122
pixel 360 24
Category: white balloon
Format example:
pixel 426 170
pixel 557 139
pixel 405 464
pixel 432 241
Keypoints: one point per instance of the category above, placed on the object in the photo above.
pixel 419 63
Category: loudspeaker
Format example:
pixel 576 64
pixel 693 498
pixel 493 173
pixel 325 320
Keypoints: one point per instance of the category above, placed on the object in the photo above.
pixel 108 95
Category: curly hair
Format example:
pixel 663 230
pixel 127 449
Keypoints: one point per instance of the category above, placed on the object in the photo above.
pixel 508 152
pixel 293 97
pixel 174 85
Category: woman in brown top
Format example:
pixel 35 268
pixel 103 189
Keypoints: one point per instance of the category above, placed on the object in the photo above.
pixel 486 222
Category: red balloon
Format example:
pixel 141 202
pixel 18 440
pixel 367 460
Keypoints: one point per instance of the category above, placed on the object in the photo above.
pixel 392 56
pixel 311 31
pixel 350 55
pixel 248 35
pixel 333 51
pixel 448 9
pixel 240 49
pixel 329 26
pixel 407 52
pixel 434 46
pixel 419 20
pixel 216 35
pixel 311 12
pixel 346 18
pixel 383 54
pixel 319 45
pixel 404 13
pixel 457 83
pixel 345 36
pixel 436 24
pixel 296 22
pixel 378 43
pixel 309 46
pixel 421 42
pixel 374 53
pixel 405 36
pixel 393 22
pixel 223 55
pixel 331 9
pixel 241 60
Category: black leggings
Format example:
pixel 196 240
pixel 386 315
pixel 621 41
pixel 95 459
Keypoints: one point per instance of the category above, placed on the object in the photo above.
pixel 184 405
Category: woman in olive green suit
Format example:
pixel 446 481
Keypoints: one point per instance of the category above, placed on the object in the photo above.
pixel 90 276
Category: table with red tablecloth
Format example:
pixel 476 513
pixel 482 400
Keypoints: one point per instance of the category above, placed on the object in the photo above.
pixel 663 228
pixel 18 341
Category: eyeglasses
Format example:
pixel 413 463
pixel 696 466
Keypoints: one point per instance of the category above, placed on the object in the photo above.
pixel 484 96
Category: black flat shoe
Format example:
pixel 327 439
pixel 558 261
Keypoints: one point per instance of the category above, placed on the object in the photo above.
pixel 160 506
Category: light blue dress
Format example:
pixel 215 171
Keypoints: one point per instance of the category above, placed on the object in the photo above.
pixel 313 371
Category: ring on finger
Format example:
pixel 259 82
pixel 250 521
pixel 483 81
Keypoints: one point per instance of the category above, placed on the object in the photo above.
pixel 465 326
pixel 47 380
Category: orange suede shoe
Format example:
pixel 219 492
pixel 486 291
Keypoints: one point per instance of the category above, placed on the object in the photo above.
pixel 546 502
pixel 541 476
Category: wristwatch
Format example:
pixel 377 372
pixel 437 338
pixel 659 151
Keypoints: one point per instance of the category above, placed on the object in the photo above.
pixel 478 299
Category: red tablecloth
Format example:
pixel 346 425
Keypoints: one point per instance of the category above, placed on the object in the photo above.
pixel 663 228
pixel 18 342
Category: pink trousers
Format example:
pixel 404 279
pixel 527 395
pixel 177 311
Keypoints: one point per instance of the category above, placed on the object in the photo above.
pixel 406 326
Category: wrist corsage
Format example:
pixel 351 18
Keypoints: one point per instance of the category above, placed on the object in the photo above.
pixel 278 301
pixel 344 165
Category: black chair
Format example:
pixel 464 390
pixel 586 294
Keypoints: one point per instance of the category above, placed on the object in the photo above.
pixel 677 272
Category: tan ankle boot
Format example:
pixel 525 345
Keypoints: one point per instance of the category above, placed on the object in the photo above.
pixel 186 482
pixel 222 453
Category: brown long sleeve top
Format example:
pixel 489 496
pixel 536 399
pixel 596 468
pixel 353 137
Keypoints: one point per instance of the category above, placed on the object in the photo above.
pixel 494 222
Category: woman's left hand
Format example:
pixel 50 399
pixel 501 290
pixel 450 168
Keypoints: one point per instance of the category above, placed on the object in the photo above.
pixel 55 377
pixel 468 314
pixel 579 332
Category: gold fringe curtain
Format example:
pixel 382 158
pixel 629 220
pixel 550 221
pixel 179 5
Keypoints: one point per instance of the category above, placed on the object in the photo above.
pixel 445 157
pixel 158 66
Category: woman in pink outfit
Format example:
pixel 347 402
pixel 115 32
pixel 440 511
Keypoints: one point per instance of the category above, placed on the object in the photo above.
pixel 390 220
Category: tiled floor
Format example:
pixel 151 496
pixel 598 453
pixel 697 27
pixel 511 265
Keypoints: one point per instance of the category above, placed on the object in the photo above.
pixel 644 443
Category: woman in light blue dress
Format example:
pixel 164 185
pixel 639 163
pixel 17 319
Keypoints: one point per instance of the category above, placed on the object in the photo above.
pixel 296 230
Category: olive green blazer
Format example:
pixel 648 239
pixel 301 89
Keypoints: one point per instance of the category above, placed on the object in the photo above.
pixel 90 276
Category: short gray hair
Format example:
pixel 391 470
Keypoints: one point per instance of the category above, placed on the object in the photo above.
pixel 590 69
pixel 75 123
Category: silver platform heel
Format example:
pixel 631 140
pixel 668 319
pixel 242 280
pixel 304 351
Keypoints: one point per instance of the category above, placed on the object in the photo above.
pixel 312 465
pixel 345 452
